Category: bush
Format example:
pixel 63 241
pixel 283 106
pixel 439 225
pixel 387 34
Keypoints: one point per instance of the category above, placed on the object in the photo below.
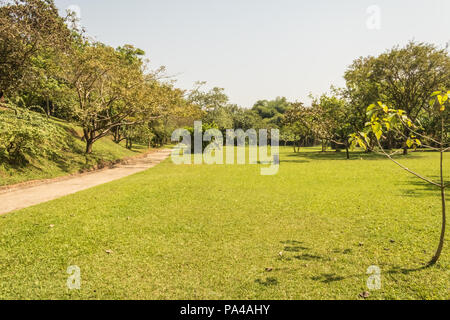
pixel 25 136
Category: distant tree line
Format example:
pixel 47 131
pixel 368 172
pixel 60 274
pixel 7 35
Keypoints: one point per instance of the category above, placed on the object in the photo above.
pixel 49 66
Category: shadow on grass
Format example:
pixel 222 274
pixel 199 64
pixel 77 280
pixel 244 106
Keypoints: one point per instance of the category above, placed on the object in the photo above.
pixel 269 282
pixel 332 277
pixel 328 278
pixel 310 257
pixel 295 246
pixel 304 157
pixel 399 270
pixel 419 188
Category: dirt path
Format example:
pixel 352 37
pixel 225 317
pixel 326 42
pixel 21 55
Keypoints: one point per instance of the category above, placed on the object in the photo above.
pixel 23 197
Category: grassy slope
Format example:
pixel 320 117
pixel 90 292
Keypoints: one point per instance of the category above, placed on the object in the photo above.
pixel 186 232
pixel 105 150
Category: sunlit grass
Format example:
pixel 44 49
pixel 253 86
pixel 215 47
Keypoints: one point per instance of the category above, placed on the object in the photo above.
pixel 210 232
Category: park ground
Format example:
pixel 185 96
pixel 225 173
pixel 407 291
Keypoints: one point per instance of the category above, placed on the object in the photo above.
pixel 226 232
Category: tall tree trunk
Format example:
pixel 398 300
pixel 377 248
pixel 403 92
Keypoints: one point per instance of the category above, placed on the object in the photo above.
pixel 348 151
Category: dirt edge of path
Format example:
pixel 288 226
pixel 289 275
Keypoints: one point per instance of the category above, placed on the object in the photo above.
pixel 97 168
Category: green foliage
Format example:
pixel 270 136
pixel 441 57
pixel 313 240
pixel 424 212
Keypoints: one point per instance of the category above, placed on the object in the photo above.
pixel 401 77
pixel 384 119
pixel 25 135
pixel 272 111
pixel 27 27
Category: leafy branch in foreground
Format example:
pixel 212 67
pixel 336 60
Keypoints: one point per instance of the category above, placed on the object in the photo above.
pixel 384 119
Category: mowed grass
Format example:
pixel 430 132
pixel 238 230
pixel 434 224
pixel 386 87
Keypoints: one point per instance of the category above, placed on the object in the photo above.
pixel 210 232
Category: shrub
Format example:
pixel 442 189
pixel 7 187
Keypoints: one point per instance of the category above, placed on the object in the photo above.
pixel 25 136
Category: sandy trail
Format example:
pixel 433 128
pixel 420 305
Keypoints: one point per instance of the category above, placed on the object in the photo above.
pixel 23 197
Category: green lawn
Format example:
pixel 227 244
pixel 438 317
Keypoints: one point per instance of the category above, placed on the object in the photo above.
pixel 210 232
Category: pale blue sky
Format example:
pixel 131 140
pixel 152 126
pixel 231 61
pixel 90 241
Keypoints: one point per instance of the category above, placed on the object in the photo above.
pixel 261 49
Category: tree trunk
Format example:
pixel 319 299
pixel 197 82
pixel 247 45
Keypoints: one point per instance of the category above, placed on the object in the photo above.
pixel 348 151
pixel 405 151
pixel 89 139
pixel 117 136
pixel 442 239
pixel 324 146
pixel 48 107
pixel 444 217
pixel 89 145
pixel 129 143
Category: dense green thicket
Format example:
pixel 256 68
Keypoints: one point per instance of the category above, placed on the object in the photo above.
pixel 25 135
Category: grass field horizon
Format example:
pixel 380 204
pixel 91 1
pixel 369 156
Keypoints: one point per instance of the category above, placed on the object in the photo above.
pixel 226 232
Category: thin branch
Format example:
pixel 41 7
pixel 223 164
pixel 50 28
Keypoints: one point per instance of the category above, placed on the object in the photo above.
pixel 423 144
pixel 407 169
pixel 420 135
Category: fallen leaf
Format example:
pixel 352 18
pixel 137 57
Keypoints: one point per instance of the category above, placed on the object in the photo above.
pixel 109 251
pixel 364 294
pixel 269 269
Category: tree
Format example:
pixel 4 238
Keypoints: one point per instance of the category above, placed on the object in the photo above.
pixel 26 28
pixel 247 119
pixel 384 119
pixel 109 87
pixel 402 77
pixel 208 101
pixel 214 104
pixel 298 119
pixel 327 119
pixel 272 111
pixel 331 120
